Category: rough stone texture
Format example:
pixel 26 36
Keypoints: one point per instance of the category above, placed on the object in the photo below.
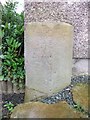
pixel 81 67
pixel 75 13
pixel 48 56
pixel 33 95
pixel 42 110
pixel 81 96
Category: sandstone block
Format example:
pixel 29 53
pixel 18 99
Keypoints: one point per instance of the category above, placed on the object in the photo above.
pixel 81 95
pixel 42 110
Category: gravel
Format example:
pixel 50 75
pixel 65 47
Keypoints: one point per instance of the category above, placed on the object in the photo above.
pixel 66 94
pixel 75 14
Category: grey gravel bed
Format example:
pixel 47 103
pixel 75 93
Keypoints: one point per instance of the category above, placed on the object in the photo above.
pixel 66 93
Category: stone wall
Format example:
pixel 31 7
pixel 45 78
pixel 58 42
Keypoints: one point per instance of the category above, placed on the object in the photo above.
pixel 75 13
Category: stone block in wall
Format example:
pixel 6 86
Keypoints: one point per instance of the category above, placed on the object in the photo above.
pixel 81 67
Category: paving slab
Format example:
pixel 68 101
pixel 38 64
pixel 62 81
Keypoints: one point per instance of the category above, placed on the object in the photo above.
pixel 81 95
pixel 42 110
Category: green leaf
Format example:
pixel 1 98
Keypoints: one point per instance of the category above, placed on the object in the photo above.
pixel 5 105
pixel 3 26
pixel 2 56
pixel 1 33
pixel 1 77
pixel 0 47
pixel 9 26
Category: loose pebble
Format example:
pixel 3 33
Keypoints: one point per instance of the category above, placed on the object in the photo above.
pixel 66 93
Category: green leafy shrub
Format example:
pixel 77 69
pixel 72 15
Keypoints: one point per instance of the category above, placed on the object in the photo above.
pixel 9 106
pixel 1 56
pixel 12 64
pixel 13 45
pixel 12 24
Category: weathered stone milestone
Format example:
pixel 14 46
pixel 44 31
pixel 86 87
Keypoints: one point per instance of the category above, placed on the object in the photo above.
pixel 48 58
